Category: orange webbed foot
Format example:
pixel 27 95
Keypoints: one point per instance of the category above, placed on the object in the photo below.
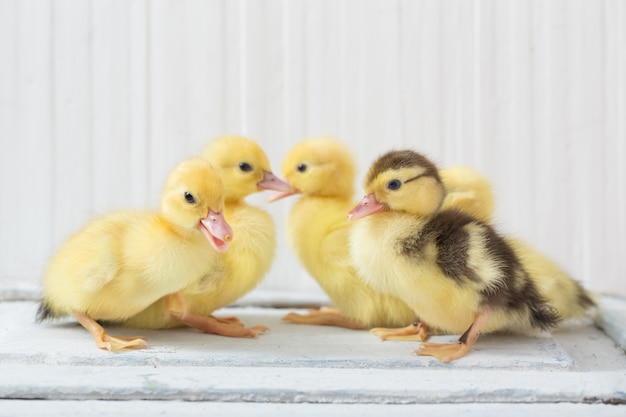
pixel 326 316
pixel 106 341
pixel 230 326
pixel 444 352
pixel 209 324
pixel 119 343
pixel 416 332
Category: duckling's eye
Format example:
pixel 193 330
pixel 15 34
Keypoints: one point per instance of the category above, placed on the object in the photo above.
pixel 245 167
pixel 394 185
pixel 302 167
pixel 190 198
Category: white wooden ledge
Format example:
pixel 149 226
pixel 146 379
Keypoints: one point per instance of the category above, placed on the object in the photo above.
pixel 51 369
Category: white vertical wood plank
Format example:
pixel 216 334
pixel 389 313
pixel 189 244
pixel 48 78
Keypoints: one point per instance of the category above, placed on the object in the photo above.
pixel 457 123
pixel 546 182
pixel 352 67
pixel 561 224
pixel 500 108
pixel 233 49
pixel 9 131
pixel 520 167
pixel 110 84
pixel 613 205
pixel 322 69
pixel 293 14
pixel 72 112
pixel 422 61
pixel 262 69
pixel 371 33
pixel 168 93
pixel 31 186
pixel 411 44
pixel 585 127
pixel 139 104
pixel 204 42
pixel 485 89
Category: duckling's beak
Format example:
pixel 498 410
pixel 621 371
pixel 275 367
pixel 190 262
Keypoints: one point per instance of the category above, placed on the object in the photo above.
pixel 272 182
pixel 216 230
pixel 283 193
pixel 368 205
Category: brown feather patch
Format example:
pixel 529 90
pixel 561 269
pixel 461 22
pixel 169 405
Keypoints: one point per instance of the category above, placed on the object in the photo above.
pixel 402 159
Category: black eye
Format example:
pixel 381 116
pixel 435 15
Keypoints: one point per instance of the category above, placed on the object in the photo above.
pixel 394 185
pixel 245 167
pixel 302 167
pixel 190 198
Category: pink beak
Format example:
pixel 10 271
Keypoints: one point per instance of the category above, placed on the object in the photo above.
pixel 216 230
pixel 283 193
pixel 272 182
pixel 368 205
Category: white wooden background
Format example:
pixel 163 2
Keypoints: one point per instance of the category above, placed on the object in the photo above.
pixel 99 99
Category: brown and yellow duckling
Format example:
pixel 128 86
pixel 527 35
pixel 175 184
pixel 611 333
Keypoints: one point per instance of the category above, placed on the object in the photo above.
pixel 455 271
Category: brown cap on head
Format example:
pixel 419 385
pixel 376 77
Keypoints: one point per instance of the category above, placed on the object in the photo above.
pixel 402 159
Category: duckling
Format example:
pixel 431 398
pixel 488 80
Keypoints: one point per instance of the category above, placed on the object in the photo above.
pixel 245 170
pixel 552 282
pixel 469 191
pixel 455 271
pixel 120 263
pixel 322 171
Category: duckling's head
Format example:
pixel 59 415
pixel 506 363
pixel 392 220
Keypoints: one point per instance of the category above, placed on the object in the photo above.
pixel 244 165
pixel 193 198
pixel 402 181
pixel 319 166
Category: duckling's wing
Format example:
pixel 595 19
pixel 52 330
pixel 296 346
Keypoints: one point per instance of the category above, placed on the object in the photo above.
pixel 335 247
pixel 106 266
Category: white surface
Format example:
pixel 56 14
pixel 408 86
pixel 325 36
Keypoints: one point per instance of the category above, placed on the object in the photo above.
pixel 98 100
pixel 182 409
pixel 613 319
pixel 302 364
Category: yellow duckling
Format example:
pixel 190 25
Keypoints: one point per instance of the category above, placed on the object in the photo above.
pixel 245 171
pixel 468 191
pixel 322 171
pixel 456 272
pixel 122 262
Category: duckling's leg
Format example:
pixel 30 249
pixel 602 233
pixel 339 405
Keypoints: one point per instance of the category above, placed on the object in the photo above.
pixel 104 341
pixel 449 352
pixel 325 316
pixel 176 306
pixel 418 331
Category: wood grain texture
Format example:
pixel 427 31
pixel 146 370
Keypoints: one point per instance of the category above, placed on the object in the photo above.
pixel 98 100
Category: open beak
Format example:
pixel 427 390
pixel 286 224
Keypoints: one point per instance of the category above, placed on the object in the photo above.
pixel 368 205
pixel 272 182
pixel 216 230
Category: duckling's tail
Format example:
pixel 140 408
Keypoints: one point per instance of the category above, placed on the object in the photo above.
pixel 587 303
pixel 44 312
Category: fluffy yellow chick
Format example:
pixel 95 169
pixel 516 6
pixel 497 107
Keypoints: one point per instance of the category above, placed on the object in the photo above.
pixel 245 171
pixel 120 263
pixel 468 191
pixel 322 171
pixel 456 272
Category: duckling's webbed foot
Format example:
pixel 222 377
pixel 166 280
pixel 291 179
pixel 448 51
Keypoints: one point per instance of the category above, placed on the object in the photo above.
pixel 104 340
pixel 325 316
pixel 230 326
pixel 229 320
pixel 210 324
pixel 446 352
pixel 416 332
